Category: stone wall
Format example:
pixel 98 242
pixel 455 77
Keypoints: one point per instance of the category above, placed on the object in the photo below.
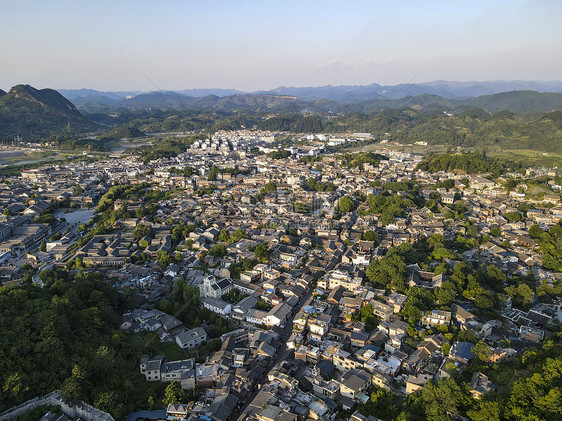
pixel 81 410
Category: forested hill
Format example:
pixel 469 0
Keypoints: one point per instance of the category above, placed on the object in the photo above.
pixel 518 101
pixel 122 132
pixel 293 123
pixel 33 113
pixel 478 122
pixel 175 101
pixel 471 128
pixel 467 163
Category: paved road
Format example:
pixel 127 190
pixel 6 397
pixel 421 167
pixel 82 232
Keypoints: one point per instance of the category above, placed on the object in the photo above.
pixel 281 354
pixel 75 217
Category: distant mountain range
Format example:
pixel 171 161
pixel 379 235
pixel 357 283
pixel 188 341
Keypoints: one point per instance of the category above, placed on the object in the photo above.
pixel 72 94
pixel 342 93
pixel 35 113
pixel 445 89
pixel 174 100
pixel 445 95
pixel 515 101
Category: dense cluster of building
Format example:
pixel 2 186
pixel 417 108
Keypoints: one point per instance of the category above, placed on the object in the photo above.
pixel 299 349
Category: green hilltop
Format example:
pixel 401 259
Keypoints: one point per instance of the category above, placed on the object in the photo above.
pixel 32 113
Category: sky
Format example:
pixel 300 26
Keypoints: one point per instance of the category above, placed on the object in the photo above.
pixel 256 45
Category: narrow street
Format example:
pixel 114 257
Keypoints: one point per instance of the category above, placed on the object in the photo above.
pixel 281 354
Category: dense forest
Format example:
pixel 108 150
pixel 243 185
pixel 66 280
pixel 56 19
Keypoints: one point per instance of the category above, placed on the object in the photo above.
pixel 66 336
pixel 467 163
pixel 121 132
pixel 292 123
pixel 472 128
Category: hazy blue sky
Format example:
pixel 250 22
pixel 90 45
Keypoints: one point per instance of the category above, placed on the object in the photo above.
pixel 263 44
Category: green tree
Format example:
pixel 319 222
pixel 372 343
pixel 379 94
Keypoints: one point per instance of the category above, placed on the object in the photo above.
pixel 481 351
pixel 495 231
pixel 109 402
pixel 513 216
pixel 441 399
pixel 412 313
pixel 345 204
pixel 74 386
pixel 262 252
pixel 370 236
pixel 535 231
pixel 522 295
pixel 238 235
pixel 15 387
pixel 389 271
pixel 142 231
pixel 173 394
pixel 213 174
pixel 447 293
pixel 485 411
pixel 218 250
pixel 224 236
pixel 269 188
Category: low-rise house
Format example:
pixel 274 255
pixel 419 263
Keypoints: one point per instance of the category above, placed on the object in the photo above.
pixel 531 334
pixel 436 317
pixel 353 382
pixel 240 310
pixel 397 301
pixel 381 310
pixel 256 316
pixel 216 305
pixel 480 385
pixel 381 379
pixel 151 368
pixel 319 326
pixel 461 315
pixel 335 296
pixel 338 278
pixel 500 354
pixel 343 361
pixel 398 329
pixel 277 315
pixel 178 411
pixel 172 371
pixel 417 382
pixel 192 338
pixel 359 339
pixel 461 352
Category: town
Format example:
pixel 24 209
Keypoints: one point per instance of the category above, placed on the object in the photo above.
pixel 296 282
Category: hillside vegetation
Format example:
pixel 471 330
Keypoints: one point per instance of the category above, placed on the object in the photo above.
pixel 486 121
pixel 32 113
pixel 122 132
pixel 467 163
pixel 472 128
